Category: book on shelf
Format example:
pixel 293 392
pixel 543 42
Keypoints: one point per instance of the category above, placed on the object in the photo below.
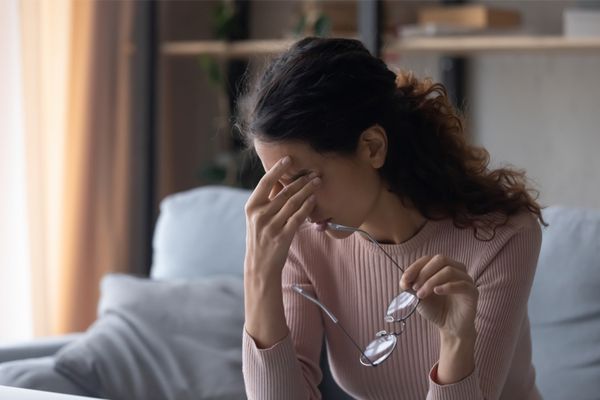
pixel 442 30
pixel 461 20
pixel 476 16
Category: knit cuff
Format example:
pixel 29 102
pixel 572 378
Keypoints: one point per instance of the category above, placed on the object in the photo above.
pixel 465 389
pixel 272 373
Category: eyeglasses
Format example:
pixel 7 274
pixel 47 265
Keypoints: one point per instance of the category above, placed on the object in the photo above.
pixel 399 310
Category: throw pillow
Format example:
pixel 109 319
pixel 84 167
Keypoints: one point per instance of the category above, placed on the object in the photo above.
pixel 162 340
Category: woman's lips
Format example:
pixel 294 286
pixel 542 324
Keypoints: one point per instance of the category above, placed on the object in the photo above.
pixel 322 225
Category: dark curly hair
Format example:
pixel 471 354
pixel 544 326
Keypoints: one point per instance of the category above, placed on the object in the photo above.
pixel 327 91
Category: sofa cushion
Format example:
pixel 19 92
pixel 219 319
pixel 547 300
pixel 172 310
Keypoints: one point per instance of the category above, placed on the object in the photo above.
pixel 200 232
pixel 38 374
pixel 159 340
pixel 564 306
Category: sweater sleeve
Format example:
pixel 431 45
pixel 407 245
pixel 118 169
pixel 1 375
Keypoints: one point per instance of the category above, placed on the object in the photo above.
pixel 290 368
pixel 504 281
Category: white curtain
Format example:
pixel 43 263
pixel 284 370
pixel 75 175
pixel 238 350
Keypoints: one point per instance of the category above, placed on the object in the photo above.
pixel 46 27
pixel 71 173
pixel 34 91
pixel 16 312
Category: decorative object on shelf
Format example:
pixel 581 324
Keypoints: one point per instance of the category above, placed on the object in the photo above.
pixel 227 20
pixel 229 166
pixel 312 21
pixel 431 29
pixel 460 20
pixel 480 44
pixel 469 15
pixel 226 25
pixel 325 18
pixel 582 20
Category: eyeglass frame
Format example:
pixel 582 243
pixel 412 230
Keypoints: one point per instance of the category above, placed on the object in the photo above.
pixel 387 318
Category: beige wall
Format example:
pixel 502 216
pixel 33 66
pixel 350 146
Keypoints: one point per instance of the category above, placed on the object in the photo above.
pixel 541 113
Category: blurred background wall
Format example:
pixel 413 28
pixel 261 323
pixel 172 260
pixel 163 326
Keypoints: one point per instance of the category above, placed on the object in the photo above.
pixel 541 112
pixel 537 110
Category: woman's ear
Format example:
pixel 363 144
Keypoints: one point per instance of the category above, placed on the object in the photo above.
pixel 372 146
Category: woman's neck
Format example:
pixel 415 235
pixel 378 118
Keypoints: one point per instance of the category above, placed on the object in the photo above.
pixel 392 222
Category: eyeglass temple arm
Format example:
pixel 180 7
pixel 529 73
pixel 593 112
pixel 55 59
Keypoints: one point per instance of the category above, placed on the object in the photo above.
pixel 339 227
pixel 310 297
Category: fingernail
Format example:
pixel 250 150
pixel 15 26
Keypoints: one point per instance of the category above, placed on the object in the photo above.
pixel 312 175
pixel 285 160
pixel 416 287
pixel 420 294
pixel 316 181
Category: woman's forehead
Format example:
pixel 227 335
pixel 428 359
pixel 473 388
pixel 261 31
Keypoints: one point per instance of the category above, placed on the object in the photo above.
pixel 302 155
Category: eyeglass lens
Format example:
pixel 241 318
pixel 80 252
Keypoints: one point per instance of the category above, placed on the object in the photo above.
pixel 401 307
pixel 378 350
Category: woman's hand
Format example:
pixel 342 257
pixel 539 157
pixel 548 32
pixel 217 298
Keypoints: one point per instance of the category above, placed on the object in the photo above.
pixel 448 294
pixel 273 215
pixel 449 300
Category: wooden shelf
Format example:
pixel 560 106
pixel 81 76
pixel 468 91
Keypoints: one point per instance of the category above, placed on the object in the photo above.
pixel 219 48
pixel 484 44
pixel 455 45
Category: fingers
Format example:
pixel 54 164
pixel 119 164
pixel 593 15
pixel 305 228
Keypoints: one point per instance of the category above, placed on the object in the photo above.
pixel 411 273
pixel 442 277
pixel 294 221
pixel 265 186
pixel 290 190
pixel 275 190
pixel 456 287
pixel 272 204
pixel 429 272
pixel 435 264
pixel 296 201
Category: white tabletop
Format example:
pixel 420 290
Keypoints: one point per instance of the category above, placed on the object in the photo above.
pixel 12 393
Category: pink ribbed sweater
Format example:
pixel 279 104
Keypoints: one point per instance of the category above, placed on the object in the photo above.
pixel 356 282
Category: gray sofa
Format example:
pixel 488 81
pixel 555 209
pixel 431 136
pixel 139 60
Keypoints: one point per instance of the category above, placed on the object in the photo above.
pixel 201 234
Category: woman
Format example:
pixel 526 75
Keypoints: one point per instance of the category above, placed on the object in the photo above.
pixel 346 141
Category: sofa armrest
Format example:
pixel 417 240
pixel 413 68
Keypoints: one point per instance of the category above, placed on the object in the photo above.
pixel 40 347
